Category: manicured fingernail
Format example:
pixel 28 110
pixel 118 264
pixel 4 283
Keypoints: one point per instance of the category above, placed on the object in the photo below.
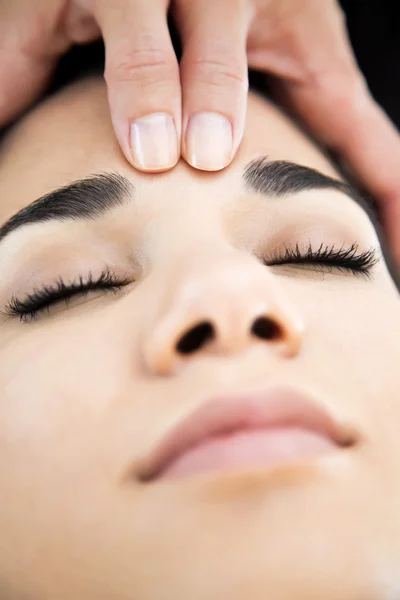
pixel 154 142
pixel 209 141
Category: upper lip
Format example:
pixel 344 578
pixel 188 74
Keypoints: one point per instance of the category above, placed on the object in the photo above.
pixel 273 408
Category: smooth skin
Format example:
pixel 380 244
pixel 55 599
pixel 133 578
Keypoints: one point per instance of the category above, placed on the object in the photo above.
pixel 161 110
pixel 89 390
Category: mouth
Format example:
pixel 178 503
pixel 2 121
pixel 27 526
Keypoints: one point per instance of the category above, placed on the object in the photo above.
pixel 258 431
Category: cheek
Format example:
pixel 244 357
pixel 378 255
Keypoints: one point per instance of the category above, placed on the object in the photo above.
pixel 64 442
pixel 353 333
pixel 56 402
pixel 354 318
pixel 360 325
pixel 74 400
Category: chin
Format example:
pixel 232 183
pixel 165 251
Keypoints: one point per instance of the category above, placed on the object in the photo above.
pixel 300 531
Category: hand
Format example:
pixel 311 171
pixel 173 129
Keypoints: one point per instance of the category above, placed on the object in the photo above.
pixel 304 44
pixel 155 103
pixel 142 72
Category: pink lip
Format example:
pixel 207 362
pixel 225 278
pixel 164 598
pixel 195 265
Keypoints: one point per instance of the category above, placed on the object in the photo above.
pixel 279 410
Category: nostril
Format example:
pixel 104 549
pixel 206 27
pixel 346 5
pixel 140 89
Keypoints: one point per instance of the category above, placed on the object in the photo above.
pixel 194 339
pixel 266 329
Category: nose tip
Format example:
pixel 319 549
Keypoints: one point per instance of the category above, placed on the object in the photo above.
pixel 166 351
pixel 218 303
pixel 200 335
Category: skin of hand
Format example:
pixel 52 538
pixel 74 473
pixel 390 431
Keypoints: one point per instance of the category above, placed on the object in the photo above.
pixel 161 109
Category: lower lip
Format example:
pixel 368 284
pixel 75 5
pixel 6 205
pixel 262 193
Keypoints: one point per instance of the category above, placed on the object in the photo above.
pixel 249 449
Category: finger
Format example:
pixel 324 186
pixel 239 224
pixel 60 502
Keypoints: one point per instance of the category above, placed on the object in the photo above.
pixel 214 79
pixel 142 75
pixel 80 25
pixel 30 45
pixel 21 83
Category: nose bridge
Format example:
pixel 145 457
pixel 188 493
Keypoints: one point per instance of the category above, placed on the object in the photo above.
pixel 225 285
pixel 214 280
pixel 219 301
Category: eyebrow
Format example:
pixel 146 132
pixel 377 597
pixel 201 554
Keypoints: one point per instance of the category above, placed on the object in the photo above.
pixel 279 178
pixel 90 198
pixel 86 199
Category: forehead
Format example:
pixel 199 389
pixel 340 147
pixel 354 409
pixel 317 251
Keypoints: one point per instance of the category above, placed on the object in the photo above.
pixel 70 136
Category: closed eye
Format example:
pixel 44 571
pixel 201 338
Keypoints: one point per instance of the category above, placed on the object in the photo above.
pixel 325 257
pixel 346 259
pixel 43 299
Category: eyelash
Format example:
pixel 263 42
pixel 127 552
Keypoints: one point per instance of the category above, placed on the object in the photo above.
pixel 27 310
pixel 343 259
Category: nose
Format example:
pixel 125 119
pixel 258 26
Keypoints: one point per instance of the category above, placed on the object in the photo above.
pixel 220 307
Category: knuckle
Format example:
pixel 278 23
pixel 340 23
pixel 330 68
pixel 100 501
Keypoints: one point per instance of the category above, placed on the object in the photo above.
pixel 346 88
pixel 144 65
pixel 221 74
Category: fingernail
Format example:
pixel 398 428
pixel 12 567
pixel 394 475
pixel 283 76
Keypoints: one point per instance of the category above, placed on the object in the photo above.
pixel 209 141
pixel 154 142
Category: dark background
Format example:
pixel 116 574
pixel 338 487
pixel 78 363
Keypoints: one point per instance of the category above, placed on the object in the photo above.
pixel 374 29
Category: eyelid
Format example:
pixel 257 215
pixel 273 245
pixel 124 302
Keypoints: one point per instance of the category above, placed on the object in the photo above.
pixel 308 217
pixel 63 291
pixel 346 259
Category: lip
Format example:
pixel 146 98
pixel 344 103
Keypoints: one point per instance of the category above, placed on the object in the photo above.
pixel 274 409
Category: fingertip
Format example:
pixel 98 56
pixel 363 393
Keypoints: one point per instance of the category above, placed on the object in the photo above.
pixel 209 141
pixel 149 143
pixel 154 144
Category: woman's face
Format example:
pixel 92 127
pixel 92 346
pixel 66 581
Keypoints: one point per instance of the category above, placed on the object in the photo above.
pixel 88 390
